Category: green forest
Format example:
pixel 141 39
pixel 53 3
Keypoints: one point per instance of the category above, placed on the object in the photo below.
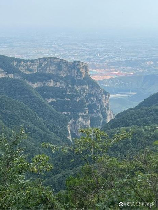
pixel 101 181
pixel 111 167
pixel 115 167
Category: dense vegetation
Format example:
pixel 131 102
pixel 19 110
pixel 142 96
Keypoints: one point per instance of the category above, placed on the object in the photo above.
pixel 103 182
pixel 112 168
pixel 29 102
pixel 16 190
pixel 98 171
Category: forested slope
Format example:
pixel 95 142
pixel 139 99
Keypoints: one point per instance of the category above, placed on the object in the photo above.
pixel 22 107
pixel 146 113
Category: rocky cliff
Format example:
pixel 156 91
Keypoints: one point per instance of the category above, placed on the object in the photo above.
pixel 66 86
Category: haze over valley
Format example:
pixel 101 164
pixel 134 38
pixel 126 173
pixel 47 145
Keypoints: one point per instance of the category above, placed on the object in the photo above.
pixel 115 62
pixel 78 104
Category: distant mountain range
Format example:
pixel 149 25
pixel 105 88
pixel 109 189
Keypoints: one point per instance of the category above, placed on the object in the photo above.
pixel 126 92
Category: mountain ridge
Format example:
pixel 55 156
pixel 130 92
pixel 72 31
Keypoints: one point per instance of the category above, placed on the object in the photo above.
pixel 80 98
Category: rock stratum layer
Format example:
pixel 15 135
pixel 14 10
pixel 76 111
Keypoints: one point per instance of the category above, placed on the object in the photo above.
pixel 66 86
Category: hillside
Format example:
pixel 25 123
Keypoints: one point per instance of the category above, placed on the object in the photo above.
pixel 66 86
pixel 149 102
pixel 128 91
pixel 146 113
pixel 97 164
pixel 21 105
pixel 142 122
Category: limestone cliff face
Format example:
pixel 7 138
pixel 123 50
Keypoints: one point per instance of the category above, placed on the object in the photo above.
pixel 67 87
pixel 55 66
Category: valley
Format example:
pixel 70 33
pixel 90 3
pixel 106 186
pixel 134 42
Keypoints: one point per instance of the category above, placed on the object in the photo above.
pixel 114 62
pixel 67 143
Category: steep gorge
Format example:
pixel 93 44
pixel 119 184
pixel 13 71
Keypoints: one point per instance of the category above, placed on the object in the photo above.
pixel 66 86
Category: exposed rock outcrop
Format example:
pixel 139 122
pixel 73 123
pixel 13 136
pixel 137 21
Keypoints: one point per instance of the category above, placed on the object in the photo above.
pixel 67 87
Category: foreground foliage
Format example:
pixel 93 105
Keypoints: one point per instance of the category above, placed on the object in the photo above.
pixel 16 190
pixel 103 182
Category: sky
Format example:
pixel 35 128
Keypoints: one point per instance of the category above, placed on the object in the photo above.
pixel 80 14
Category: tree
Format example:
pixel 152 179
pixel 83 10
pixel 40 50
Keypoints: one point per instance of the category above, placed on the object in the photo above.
pixel 17 191
pixel 104 182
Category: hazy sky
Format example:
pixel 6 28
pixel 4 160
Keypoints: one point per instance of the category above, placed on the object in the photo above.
pixel 80 14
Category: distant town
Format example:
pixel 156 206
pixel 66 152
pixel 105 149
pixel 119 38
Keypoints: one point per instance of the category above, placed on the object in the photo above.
pixel 106 57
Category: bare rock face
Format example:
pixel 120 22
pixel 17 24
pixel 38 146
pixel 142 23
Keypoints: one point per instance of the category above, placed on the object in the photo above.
pixel 67 87
pixel 55 66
